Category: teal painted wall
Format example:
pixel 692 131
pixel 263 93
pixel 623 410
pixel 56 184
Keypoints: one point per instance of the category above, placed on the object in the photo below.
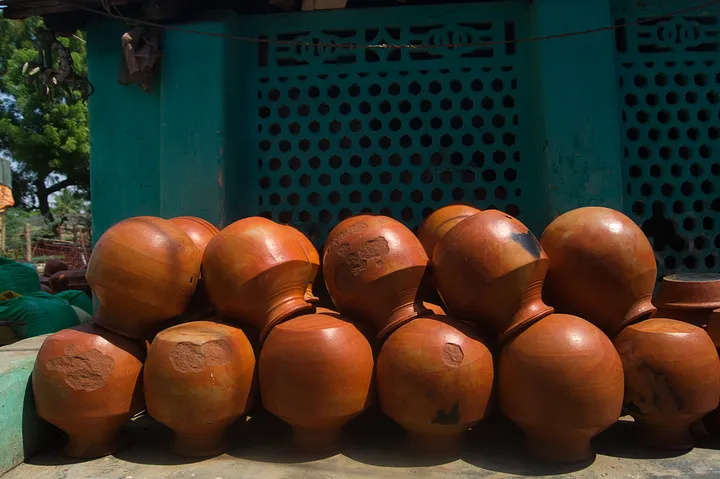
pixel 195 144
pixel 309 136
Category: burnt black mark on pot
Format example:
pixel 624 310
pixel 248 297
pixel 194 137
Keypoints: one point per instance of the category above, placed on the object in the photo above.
pixel 449 418
pixel 529 243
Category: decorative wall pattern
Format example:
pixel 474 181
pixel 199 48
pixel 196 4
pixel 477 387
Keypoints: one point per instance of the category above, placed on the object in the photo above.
pixel 669 93
pixel 398 132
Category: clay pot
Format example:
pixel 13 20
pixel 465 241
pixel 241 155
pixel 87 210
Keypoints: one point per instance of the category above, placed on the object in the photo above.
pixel 561 381
pixel 602 268
pixel 314 259
pixel 198 381
pixel 439 222
pixel 59 281
pixel 688 297
pixel 672 379
pixel 87 382
pixel 375 271
pixel 53 266
pixel 256 271
pixel 434 379
pixel 199 230
pixel 143 270
pixel 490 269
pixel 316 374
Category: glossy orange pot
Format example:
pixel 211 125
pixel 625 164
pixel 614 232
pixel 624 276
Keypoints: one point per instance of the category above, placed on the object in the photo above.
pixel 490 269
pixel 87 381
pixel 316 374
pixel 602 268
pixel 689 297
pixel 198 381
pixel 256 271
pixel 434 379
pixel 314 259
pixel 672 379
pixel 440 222
pixel 199 230
pixel 713 327
pixel 143 271
pixel 375 271
pixel 561 381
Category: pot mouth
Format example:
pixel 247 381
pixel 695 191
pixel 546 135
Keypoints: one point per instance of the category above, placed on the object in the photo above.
pixel 286 310
pixel 642 310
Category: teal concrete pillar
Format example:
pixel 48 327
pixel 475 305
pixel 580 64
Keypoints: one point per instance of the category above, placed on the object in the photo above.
pixel 577 112
pixel 124 135
pixel 161 153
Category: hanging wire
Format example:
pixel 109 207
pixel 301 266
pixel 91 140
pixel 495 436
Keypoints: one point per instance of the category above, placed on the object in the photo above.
pixel 352 46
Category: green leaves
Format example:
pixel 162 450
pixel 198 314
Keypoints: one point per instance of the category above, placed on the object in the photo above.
pixel 43 124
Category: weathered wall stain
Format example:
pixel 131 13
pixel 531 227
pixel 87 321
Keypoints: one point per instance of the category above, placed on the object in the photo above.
pixel 86 371
pixel 190 357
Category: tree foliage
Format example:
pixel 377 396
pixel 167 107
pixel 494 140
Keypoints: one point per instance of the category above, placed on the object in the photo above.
pixel 44 130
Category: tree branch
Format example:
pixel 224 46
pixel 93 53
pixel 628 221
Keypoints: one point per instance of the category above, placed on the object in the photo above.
pixel 59 186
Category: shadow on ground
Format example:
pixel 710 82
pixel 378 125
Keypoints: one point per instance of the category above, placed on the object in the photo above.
pixel 496 445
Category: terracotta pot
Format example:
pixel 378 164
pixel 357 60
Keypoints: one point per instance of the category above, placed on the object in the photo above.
pixel 490 268
pixel 59 281
pixel 688 297
pixel 434 379
pixel 199 230
pixel 256 271
pixel 375 271
pixel 561 381
pixel 602 268
pixel 143 270
pixel 53 266
pixel 198 381
pixel 87 382
pixel 672 379
pixel 47 289
pixel 439 222
pixel 314 259
pixel 316 374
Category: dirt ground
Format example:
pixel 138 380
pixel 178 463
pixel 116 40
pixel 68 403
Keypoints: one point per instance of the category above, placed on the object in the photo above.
pixel 375 447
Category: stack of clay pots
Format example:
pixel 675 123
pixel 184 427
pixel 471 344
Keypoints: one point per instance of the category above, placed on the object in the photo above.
pixel 557 329
pixel 315 371
pixel 602 268
pixel 88 380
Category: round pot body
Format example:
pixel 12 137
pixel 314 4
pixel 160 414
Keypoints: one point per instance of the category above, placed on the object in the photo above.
pixel 602 268
pixel 440 222
pixel 199 230
pixel 143 271
pixel 672 379
pixel 313 258
pixel 435 379
pixel 87 381
pixel 490 269
pixel 198 381
pixel 316 373
pixel 375 271
pixel 256 271
pixel 561 381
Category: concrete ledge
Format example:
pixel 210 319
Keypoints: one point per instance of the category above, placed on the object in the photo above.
pixel 22 432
